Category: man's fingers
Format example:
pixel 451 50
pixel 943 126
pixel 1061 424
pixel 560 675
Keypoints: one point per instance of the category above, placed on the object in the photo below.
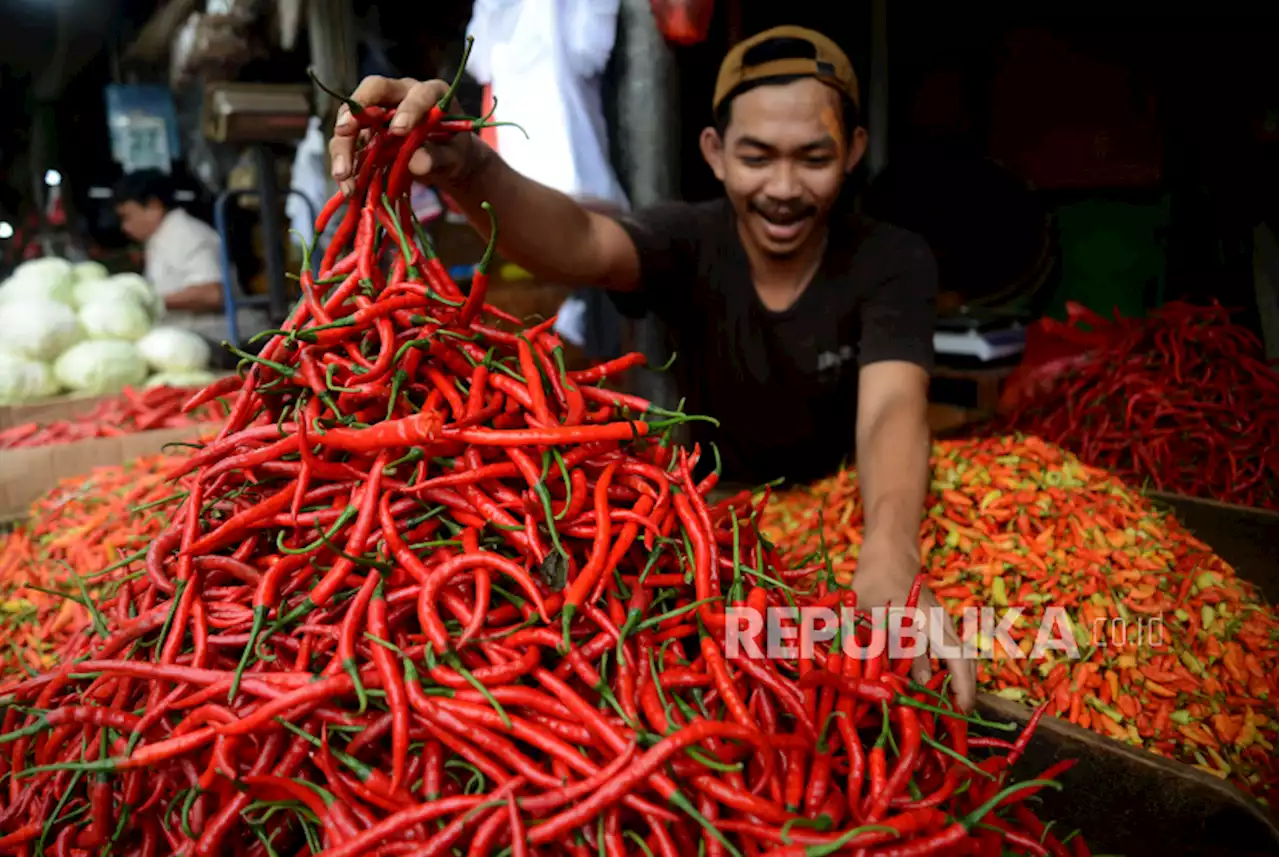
pixel 371 91
pixel 340 157
pixel 963 682
pixel 420 163
pixel 417 103
pixel 344 125
pixel 963 670
pixel 383 91
pixel 921 670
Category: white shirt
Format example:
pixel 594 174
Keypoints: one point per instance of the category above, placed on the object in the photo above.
pixel 311 178
pixel 185 252
pixel 544 60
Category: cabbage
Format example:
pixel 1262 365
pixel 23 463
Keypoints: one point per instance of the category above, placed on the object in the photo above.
pixel 37 329
pixel 45 266
pixel 180 380
pixel 87 291
pixel 22 380
pixel 95 291
pixel 174 349
pixel 114 319
pixel 89 271
pixel 100 366
pixel 43 279
pixel 142 290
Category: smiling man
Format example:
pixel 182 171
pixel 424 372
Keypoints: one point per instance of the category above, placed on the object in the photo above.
pixel 806 331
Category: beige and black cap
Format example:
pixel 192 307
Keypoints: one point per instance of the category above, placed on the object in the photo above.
pixel 828 64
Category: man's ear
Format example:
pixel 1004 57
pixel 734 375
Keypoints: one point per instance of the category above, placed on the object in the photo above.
pixel 712 151
pixel 857 148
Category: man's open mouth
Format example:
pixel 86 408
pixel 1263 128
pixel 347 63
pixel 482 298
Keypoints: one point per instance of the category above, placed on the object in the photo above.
pixel 784 226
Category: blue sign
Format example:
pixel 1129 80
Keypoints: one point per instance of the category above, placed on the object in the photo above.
pixel 143 124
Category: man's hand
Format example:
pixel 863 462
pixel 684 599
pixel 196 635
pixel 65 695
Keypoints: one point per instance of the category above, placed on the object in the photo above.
pixel 544 232
pixel 203 297
pixel 435 163
pixel 884 578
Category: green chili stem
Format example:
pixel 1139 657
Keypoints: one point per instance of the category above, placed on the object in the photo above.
pixel 483 267
pixel 679 611
pixel 354 106
pixel 977 721
pixel 981 812
pixel 347 514
pixel 444 102
pixel 279 368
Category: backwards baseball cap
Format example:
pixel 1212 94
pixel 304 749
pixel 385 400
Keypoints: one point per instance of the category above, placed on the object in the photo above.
pixel 825 62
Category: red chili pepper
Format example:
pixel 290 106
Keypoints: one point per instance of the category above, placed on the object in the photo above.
pixel 392 685
pixel 586 579
pixel 480 279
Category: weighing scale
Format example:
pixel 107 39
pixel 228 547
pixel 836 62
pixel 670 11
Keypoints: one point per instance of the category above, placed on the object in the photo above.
pixel 256 116
pixel 984 335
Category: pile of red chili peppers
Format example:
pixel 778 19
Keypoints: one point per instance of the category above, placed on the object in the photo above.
pixel 1182 400
pixel 130 412
pixel 428 593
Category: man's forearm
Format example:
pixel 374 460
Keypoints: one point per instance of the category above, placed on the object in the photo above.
pixel 540 229
pixel 205 297
pixel 893 468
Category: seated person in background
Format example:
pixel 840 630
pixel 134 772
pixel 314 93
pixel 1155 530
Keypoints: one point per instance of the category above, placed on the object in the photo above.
pixel 183 258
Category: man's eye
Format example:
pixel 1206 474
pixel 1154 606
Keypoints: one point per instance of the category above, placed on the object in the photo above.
pixel 818 161
pixel 753 160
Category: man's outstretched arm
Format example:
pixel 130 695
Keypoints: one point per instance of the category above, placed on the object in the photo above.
pixel 539 229
pixel 893 471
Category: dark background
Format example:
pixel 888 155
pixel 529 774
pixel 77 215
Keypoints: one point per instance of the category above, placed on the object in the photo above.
pixel 1147 134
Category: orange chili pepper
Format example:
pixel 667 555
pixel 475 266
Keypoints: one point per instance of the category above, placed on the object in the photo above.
pixel 1062 534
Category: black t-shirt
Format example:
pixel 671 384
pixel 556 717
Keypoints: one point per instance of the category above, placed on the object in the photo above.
pixel 783 385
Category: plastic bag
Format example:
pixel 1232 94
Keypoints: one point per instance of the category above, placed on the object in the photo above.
pixel 1053 347
pixel 683 22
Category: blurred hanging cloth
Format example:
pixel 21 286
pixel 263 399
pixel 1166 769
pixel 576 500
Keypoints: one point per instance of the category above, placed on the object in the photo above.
pixel 543 60
pixel 310 175
pixel 312 179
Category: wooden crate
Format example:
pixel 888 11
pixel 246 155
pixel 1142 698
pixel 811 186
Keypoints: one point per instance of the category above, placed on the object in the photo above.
pixel 48 410
pixel 27 474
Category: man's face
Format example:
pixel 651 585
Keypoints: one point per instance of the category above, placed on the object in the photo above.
pixel 140 221
pixel 783 160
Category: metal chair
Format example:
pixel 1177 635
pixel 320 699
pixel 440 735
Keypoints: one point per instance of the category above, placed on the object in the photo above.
pixel 277 298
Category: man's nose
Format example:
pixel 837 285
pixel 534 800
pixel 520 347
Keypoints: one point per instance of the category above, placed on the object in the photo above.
pixel 783 181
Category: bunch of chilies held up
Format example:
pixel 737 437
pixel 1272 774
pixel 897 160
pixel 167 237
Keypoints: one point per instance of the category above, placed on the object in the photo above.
pixel 429 593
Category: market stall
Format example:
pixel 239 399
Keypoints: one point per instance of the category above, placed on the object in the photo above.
pixel 414 581
pixel 315 621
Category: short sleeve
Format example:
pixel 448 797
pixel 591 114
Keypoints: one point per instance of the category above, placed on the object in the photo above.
pixel 667 238
pixel 203 264
pixel 898 316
